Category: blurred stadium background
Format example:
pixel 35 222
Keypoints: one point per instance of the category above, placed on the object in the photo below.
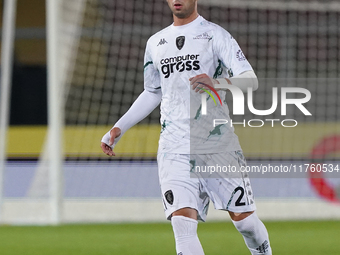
pixel 100 59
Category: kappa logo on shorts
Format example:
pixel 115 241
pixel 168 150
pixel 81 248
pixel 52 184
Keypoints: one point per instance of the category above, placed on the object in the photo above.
pixel 169 196
pixel 180 253
pixel 180 40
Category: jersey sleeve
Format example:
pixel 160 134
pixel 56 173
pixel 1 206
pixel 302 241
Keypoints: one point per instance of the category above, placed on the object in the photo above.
pixel 152 81
pixel 230 53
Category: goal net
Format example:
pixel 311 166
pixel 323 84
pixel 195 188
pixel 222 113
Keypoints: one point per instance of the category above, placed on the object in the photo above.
pixel 102 43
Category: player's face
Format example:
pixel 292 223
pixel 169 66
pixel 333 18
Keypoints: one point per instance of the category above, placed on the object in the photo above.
pixel 182 8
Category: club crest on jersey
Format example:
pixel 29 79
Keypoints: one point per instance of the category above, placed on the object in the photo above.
pixel 180 40
pixel 169 196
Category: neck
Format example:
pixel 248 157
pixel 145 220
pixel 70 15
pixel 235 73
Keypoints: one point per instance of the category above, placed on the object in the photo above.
pixel 181 22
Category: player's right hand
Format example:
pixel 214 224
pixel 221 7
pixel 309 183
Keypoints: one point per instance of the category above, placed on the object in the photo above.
pixel 106 148
pixel 202 81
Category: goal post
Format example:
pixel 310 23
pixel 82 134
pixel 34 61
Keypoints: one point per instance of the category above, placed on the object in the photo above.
pixel 55 109
pixel 7 42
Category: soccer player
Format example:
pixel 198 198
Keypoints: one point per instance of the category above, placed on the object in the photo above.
pixel 183 60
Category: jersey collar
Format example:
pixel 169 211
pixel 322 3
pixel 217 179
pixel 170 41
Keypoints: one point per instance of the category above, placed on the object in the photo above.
pixel 192 23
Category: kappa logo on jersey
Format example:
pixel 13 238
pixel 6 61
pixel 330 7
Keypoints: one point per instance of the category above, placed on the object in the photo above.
pixel 205 35
pixel 180 40
pixel 169 196
pixel 240 56
pixel 179 64
pixel 162 42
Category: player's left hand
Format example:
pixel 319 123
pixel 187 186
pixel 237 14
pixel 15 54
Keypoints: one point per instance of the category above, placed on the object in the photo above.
pixel 202 81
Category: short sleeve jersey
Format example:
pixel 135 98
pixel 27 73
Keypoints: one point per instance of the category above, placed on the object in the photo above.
pixel 176 54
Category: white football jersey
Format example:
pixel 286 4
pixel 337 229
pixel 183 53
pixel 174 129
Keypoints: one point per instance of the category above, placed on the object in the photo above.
pixel 176 54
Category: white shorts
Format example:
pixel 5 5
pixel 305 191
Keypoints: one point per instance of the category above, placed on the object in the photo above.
pixel 183 186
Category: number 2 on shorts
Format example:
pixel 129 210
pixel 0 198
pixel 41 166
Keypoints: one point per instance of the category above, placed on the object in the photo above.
pixel 238 201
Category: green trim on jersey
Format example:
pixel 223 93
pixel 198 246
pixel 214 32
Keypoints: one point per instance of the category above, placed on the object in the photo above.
pixel 148 63
pixel 216 131
pixel 219 70
pixel 193 165
pixel 164 125
pixel 198 113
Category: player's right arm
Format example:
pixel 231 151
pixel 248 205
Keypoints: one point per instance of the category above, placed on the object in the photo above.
pixel 110 137
pixel 147 101
pixel 142 107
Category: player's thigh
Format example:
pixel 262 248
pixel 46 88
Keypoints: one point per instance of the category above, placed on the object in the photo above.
pixel 229 189
pixel 179 190
pixel 173 167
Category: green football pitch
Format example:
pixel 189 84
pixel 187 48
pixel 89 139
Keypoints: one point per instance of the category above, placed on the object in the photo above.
pixel 294 238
